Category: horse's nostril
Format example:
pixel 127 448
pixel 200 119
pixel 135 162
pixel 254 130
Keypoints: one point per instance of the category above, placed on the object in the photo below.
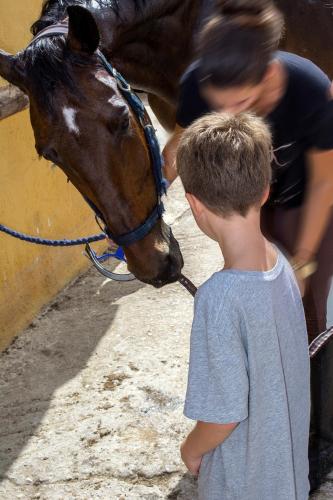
pixel 172 269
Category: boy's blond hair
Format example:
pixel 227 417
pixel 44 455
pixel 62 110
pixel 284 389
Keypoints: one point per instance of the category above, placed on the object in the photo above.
pixel 225 161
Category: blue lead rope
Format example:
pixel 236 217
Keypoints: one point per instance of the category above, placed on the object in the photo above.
pixel 51 243
pixel 118 254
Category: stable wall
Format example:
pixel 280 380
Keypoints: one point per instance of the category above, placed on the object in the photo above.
pixel 36 199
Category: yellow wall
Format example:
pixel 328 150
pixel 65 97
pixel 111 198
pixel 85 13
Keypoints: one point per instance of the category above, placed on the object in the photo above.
pixel 34 198
pixel 16 19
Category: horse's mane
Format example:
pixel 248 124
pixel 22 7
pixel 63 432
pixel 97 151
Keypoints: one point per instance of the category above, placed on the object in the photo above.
pixel 54 10
pixel 47 62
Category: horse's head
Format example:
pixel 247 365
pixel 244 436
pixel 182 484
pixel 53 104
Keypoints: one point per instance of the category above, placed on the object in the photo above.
pixel 83 124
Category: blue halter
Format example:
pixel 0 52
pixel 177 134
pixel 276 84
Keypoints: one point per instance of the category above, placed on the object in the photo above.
pixel 157 163
pixel 143 230
pixel 141 115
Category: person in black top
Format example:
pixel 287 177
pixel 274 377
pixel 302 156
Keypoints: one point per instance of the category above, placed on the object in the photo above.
pixel 239 69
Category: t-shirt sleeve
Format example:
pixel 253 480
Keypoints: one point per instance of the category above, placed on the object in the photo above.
pixel 316 106
pixel 218 385
pixel 320 127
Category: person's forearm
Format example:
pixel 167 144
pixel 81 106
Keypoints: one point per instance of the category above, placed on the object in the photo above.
pixel 206 437
pixel 316 213
pixel 169 155
pixel 169 168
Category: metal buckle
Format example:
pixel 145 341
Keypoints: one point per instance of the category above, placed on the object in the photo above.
pixel 89 252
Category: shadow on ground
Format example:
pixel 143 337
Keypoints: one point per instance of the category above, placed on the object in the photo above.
pixel 51 352
pixel 186 489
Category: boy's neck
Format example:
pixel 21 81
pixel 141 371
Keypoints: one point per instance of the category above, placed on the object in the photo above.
pixel 243 245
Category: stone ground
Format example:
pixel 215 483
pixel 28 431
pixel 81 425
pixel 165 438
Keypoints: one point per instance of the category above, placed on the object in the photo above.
pixel 92 392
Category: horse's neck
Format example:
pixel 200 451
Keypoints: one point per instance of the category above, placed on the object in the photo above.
pixel 150 42
pixel 152 52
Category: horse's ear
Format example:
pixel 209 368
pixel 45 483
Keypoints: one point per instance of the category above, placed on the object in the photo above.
pixel 12 70
pixel 83 34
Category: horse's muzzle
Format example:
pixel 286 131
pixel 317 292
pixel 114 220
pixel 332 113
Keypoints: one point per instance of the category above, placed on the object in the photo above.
pixel 170 267
pixel 156 259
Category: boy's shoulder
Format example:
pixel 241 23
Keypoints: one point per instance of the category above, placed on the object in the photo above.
pixel 229 291
pixel 220 281
pixel 216 294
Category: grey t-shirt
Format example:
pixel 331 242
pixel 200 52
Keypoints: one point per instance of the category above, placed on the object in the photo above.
pixel 249 363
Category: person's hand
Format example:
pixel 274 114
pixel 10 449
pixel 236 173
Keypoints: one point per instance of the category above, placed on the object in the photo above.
pixel 303 269
pixel 192 463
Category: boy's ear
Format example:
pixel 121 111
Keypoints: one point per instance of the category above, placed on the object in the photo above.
pixel 195 204
pixel 265 196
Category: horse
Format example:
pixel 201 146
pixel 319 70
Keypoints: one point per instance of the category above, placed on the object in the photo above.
pixel 309 30
pixel 83 124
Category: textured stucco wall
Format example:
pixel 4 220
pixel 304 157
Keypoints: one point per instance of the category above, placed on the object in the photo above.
pixel 34 198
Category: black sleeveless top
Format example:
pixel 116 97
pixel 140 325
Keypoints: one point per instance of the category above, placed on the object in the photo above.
pixel 302 120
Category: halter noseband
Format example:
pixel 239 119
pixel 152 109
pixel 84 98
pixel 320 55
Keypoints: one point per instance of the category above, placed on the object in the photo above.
pixel 142 117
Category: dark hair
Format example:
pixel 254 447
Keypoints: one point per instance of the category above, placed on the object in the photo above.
pixel 48 62
pixel 55 10
pixel 225 161
pixel 238 42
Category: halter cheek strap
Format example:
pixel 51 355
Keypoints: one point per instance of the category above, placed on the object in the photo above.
pixel 142 116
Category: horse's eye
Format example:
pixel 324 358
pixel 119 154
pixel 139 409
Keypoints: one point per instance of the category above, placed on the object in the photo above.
pixel 124 124
pixel 119 124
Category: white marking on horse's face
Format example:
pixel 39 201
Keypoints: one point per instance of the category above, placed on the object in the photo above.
pixel 116 101
pixel 106 79
pixel 69 116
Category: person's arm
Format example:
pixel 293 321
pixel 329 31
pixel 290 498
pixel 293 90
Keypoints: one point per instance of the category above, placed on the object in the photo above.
pixel 203 438
pixel 169 155
pixel 317 207
pixel 190 107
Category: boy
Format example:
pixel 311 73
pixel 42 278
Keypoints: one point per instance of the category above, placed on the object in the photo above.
pixel 249 382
